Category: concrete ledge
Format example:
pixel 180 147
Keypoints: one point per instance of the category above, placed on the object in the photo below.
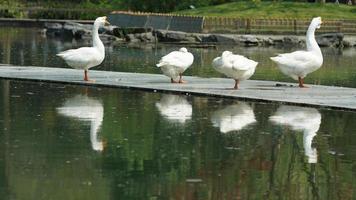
pixel 266 91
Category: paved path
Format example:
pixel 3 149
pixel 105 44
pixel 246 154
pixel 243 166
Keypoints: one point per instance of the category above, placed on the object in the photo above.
pixel 320 96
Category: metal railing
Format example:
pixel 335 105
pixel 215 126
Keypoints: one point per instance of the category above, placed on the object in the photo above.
pixel 229 24
pixel 274 26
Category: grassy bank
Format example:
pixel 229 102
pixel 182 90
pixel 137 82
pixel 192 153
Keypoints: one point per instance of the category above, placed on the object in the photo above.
pixel 248 9
pixel 55 9
pixel 243 9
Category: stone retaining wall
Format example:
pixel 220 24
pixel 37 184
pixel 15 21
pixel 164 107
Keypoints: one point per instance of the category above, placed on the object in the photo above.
pixel 149 35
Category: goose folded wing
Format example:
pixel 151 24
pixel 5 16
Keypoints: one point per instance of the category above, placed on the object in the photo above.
pixel 297 59
pixel 241 63
pixel 80 57
pixel 175 58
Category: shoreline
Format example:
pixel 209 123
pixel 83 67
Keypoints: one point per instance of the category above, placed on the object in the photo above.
pixel 79 29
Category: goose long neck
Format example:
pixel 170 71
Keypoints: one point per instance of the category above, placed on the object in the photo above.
pixel 310 151
pixel 312 45
pixel 94 128
pixel 96 39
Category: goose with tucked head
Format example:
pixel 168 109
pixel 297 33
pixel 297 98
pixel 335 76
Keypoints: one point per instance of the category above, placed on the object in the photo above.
pixel 300 63
pixel 175 63
pixel 234 66
pixel 175 108
pixel 233 117
pixel 87 57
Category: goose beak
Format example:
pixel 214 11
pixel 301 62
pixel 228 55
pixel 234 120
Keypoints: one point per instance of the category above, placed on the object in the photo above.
pixel 106 21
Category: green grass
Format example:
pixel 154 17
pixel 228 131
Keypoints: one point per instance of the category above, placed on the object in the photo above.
pixel 270 9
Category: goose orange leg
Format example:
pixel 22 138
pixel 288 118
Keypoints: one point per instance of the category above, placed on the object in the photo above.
pixel 180 79
pixel 301 82
pixel 86 78
pixel 237 84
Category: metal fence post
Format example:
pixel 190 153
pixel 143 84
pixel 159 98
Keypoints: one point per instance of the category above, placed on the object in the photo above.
pixel 248 26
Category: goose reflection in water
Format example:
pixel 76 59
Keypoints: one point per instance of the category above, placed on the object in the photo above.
pixel 233 118
pixel 303 119
pixel 175 108
pixel 86 109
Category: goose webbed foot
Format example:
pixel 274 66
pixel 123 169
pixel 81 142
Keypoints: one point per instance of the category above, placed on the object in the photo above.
pixel 173 81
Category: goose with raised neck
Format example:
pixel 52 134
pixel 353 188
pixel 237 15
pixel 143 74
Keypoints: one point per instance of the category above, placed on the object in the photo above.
pixel 306 120
pixel 298 64
pixel 96 39
pixel 87 57
pixel 86 109
pixel 311 43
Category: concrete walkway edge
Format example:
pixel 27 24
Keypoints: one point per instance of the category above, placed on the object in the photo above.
pixel 341 98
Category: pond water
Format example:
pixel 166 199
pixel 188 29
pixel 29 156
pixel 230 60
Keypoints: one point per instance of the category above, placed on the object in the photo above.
pixel 100 143
pixel 73 142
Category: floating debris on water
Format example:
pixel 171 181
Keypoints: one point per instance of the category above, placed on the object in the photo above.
pixel 232 148
pixel 264 133
pixel 193 180
pixel 335 153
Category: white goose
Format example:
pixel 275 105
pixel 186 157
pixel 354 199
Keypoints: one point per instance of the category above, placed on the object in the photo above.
pixel 86 109
pixel 303 119
pixel 175 63
pixel 233 118
pixel 234 66
pixel 87 57
pixel 175 108
pixel 300 63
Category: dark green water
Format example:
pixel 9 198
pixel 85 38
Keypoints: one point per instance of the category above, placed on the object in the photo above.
pixel 21 46
pixel 72 142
